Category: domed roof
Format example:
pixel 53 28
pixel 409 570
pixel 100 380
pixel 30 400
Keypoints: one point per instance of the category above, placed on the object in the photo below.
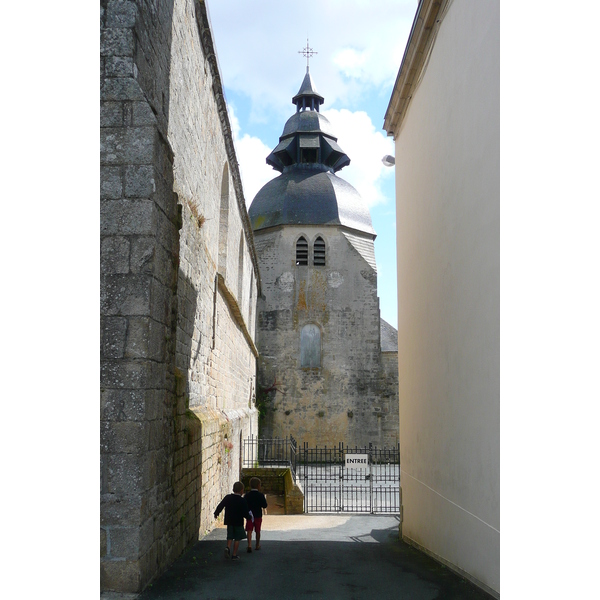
pixel 309 195
pixel 308 192
pixel 307 121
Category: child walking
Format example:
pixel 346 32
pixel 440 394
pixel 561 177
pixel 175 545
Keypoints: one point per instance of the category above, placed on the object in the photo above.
pixel 256 502
pixel 236 508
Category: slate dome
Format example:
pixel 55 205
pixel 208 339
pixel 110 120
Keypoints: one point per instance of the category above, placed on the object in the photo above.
pixel 308 192
pixel 309 196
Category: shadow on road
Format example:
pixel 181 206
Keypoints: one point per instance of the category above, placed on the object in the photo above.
pixel 374 564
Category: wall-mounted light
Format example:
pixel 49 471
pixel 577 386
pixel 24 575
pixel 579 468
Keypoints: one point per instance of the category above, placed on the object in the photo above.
pixel 388 161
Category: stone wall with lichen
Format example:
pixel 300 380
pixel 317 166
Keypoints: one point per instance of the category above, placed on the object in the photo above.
pixel 179 282
pixel 352 397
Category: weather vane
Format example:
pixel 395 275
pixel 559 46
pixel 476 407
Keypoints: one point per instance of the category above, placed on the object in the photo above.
pixel 308 52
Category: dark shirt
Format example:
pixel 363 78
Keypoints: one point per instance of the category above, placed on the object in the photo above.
pixel 236 508
pixel 256 502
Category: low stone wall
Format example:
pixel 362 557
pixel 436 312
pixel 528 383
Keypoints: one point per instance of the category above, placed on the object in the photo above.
pixel 278 482
pixel 221 453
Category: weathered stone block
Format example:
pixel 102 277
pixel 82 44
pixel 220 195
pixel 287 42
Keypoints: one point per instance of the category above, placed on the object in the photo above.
pixel 145 339
pixel 118 66
pixel 111 114
pixel 149 562
pixel 127 145
pixel 121 89
pixel 123 436
pixel 113 334
pixel 120 510
pixel 142 254
pixel 152 469
pixel 143 114
pixel 157 435
pixel 139 181
pixel 114 255
pixel 162 297
pixel 121 13
pixel 124 542
pixel 103 543
pixel 163 266
pixel 125 295
pixel 124 474
pixel 116 42
pixel 120 575
pixel 123 405
pixel 132 374
pixel 110 183
pixel 165 197
pixel 126 217
pixel 146 535
pixel 155 404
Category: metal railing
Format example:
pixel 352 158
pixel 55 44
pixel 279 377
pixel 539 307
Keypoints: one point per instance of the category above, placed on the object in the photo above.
pixel 331 486
pixel 328 484
pixel 277 452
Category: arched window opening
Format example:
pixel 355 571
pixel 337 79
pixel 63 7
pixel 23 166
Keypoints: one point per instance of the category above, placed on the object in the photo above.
pixel 319 252
pixel 250 297
pixel 310 347
pixel 224 221
pixel 241 271
pixel 302 252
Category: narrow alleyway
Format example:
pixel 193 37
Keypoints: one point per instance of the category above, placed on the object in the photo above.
pixel 313 556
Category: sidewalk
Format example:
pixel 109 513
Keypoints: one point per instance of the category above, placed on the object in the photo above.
pixel 313 556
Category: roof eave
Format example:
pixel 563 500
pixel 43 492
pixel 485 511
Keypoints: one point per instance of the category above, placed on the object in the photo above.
pixel 421 35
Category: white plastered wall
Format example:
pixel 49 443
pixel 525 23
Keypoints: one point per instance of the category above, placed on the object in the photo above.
pixel 448 221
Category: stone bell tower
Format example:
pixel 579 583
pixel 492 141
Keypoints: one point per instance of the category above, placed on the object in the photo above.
pixel 328 368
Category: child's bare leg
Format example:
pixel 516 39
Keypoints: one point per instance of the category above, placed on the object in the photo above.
pixel 257 540
pixel 236 545
pixel 249 533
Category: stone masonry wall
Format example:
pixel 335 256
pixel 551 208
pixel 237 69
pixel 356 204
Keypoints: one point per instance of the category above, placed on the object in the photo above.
pixel 353 396
pixel 178 356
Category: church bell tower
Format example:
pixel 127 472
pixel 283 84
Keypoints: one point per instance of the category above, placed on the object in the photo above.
pixel 328 369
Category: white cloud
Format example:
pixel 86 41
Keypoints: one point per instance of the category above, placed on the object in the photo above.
pixel 359 46
pixel 255 172
pixel 365 146
pixel 350 62
pixel 251 154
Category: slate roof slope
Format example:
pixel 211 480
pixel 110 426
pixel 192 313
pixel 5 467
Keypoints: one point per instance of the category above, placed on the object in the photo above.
pixel 389 337
pixel 304 196
pixel 366 248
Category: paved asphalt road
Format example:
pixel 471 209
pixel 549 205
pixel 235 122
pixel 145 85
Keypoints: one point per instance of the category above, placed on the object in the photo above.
pixel 313 556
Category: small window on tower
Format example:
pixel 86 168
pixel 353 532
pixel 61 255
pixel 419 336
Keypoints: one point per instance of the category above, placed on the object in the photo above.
pixel 310 347
pixel 302 252
pixel 319 252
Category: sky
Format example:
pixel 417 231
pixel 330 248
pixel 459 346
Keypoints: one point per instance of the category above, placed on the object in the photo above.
pixel 358 48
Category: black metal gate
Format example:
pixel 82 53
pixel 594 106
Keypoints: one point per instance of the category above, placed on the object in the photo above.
pixel 342 479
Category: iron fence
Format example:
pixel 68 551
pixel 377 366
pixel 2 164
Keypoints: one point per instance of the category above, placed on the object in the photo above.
pixel 277 452
pixel 328 483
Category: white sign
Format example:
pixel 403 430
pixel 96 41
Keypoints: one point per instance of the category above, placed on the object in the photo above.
pixel 357 461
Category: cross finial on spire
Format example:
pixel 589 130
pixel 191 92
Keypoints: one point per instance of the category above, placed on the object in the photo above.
pixel 308 52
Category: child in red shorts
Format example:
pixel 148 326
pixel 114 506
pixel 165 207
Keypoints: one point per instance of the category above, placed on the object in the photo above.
pixel 256 502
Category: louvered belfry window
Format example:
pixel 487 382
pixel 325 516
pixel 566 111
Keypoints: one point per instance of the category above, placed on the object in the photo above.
pixel 302 252
pixel 319 252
